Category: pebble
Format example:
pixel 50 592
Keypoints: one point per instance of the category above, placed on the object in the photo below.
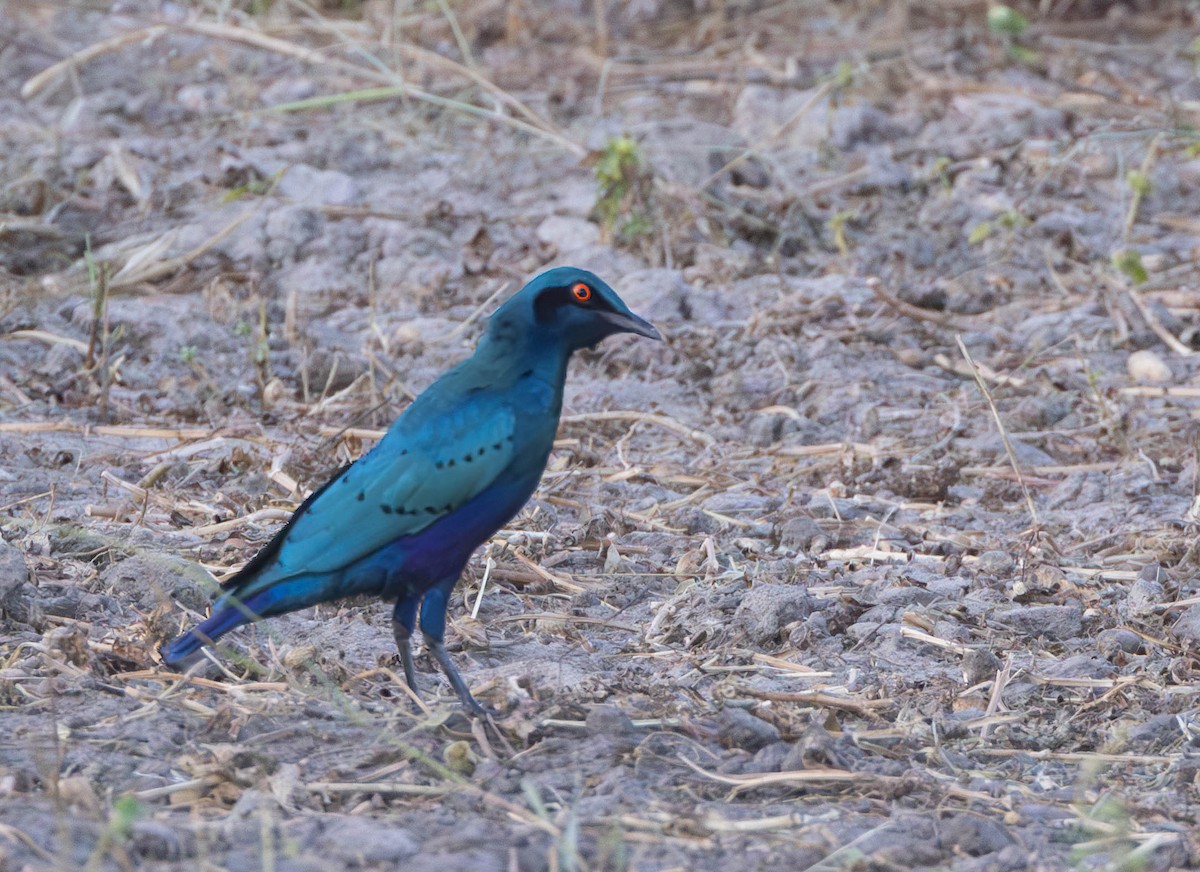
pixel 998 564
pixel 766 609
pixel 740 729
pixel 1147 367
pixel 1060 623
pixel 1116 641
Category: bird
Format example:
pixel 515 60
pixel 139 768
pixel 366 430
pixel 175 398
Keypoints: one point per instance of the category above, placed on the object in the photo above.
pixel 402 521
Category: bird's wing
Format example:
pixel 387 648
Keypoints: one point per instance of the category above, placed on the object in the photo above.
pixel 426 466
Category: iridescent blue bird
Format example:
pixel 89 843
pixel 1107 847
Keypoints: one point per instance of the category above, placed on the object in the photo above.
pixel 402 521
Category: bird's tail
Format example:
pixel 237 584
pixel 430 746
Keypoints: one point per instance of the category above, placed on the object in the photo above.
pixel 243 605
pixel 229 612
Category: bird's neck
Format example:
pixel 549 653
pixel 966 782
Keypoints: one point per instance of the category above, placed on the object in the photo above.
pixel 518 354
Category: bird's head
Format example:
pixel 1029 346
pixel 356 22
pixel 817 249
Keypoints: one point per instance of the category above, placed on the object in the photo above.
pixel 573 307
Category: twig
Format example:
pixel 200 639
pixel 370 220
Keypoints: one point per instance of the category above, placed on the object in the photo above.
pixel 48 338
pixel 1012 457
pixel 120 431
pixel 385 788
pixel 549 576
pixel 796 777
pixel 566 619
pixel 664 421
pixel 1139 190
pixel 1003 677
pixel 1154 324
pixel 875 285
pixel 234 523
pixel 861 707
pixel 83 56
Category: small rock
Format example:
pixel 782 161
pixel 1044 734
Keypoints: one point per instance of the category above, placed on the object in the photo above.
pixel 973 834
pixel 952 587
pixel 289 228
pixel 798 534
pixel 1053 622
pixel 1146 595
pixel 655 294
pixel 153 840
pixel 996 564
pixel 1116 641
pixel 765 430
pixel 147 580
pixel 740 729
pixel 766 609
pixel 1081 666
pixel 1155 734
pixel 18 597
pixel 1147 367
pixel 815 747
pixel 1187 627
pixel 13 572
pixel 608 720
pixel 769 759
pixel 978 666
pixel 313 187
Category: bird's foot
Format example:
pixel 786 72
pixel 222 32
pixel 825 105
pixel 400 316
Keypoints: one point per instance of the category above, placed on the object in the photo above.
pixel 472 705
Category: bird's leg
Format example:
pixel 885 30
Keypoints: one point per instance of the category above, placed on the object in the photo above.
pixel 433 628
pixel 403 618
pixel 438 650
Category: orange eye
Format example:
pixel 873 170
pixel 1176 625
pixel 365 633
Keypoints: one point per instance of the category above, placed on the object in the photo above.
pixel 582 292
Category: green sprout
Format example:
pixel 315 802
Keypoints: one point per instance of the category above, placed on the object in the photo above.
pixel 941 171
pixel 837 224
pixel 617 170
pixel 1138 182
pixel 980 232
pixel 1129 262
pixel 1010 25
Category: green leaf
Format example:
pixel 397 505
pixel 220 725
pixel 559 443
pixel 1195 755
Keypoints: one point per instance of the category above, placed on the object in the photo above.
pixel 125 811
pixel 1139 182
pixel 1006 20
pixel 980 232
pixel 1129 262
pixel 1021 54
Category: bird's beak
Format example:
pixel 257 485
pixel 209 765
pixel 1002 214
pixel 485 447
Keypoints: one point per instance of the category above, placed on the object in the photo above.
pixel 627 322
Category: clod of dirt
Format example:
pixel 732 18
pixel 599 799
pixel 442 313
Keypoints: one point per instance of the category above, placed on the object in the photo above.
pixel 608 720
pixel 766 609
pixel 1116 641
pixel 157 841
pixel 311 186
pixel 799 534
pixel 1060 623
pixel 979 666
pixel 18 598
pixel 1081 666
pixel 995 564
pixel 1188 625
pixel 148 580
pixel 973 835
pixel 68 644
pixel 737 728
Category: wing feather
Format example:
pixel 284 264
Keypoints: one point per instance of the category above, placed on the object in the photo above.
pixel 425 467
